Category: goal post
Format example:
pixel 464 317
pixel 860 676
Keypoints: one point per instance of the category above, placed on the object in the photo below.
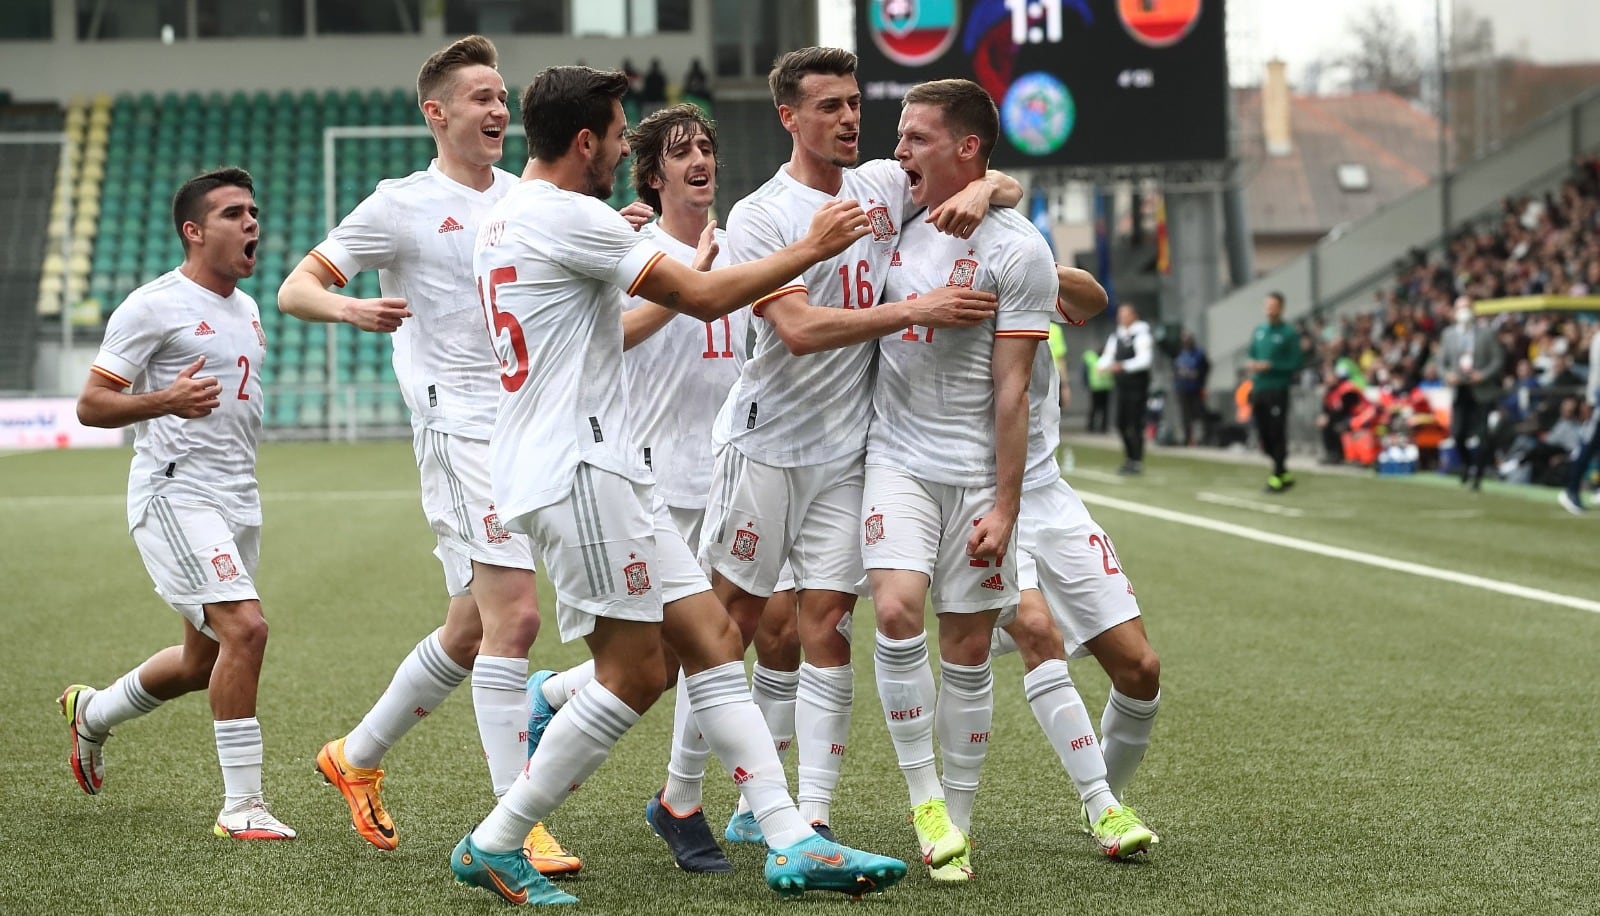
pixel 330 218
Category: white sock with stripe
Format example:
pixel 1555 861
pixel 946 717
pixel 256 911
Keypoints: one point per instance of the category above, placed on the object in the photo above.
pixel 774 693
pixel 500 701
pixel 239 753
pixel 822 727
pixel 564 685
pixel 686 768
pixel 425 677
pixel 964 716
pixel 1060 711
pixel 736 733
pixel 1125 736
pixel 125 699
pixel 905 688
pixel 574 746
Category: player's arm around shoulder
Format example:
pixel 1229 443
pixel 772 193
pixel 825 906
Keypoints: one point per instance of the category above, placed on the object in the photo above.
pixel 711 294
pixel 963 213
pixel 1079 295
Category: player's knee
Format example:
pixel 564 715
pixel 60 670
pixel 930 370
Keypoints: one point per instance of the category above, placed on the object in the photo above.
pixel 962 641
pixel 239 625
pixel 1138 675
pixel 1037 639
pixel 779 644
pixel 195 667
pixel 461 644
pixel 638 684
pixel 897 618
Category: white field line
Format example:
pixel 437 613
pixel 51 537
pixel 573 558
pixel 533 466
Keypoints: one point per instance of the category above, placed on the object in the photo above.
pixel 1341 553
pixel 1251 504
pixel 117 499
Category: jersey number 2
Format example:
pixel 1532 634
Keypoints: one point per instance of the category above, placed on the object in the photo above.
pixel 245 362
pixel 511 377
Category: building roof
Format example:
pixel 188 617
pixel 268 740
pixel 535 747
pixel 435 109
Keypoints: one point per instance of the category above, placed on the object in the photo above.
pixel 1300 193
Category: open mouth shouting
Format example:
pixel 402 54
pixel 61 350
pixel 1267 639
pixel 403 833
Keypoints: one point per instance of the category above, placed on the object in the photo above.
pixel 698 180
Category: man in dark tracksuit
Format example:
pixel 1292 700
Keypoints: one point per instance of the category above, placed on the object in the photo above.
pixel 1274 359
pixel 1127 356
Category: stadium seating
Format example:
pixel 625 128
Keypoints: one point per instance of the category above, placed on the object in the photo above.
pixel 127 155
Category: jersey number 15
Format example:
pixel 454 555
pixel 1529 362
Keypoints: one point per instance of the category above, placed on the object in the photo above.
pixel 511 376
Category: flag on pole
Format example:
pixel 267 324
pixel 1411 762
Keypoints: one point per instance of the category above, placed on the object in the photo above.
pixel 1163 248
pixel 1039 213
pixel 1102 242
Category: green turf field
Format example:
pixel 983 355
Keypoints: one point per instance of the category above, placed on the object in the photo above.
pixel 1334 737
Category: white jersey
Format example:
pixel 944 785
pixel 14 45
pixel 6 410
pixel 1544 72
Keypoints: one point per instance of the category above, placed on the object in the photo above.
pixel 417 232
pixel 678 377
pixel 795 411
pixel 933 404
pixel 157 332
pixel 1045 496
pixel 556 269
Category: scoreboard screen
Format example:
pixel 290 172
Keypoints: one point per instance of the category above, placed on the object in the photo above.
pixel 1077 82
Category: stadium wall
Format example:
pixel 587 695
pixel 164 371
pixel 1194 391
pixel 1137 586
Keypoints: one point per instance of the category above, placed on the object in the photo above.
pixel 61 69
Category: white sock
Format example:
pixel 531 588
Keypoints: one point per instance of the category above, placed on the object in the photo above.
pixel 239 752
pixel 575 744
pixel 822 727
pixel 686 769
pixel 905 687
pixel 564 685
pixel 774 693
pixel 733 727
pixel 964 716
pixel 125 699
pixel 1060 711
pixel 420 684
pixel 500 700
pixel 1125 735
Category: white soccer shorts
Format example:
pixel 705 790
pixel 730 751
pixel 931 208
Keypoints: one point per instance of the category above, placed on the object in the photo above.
pixel 760 516
pixel 1072 561
pixel 911 524
pixel 196 557
pixel 611 550
pixel 460 510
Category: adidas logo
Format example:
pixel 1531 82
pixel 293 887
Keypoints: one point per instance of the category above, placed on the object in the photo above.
pixel 740 776
pixel 203 329
pixel 894 259
pixel 994 583
pixel 449 225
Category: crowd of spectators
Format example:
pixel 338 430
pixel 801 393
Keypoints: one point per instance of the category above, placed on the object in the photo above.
pixel 1378 371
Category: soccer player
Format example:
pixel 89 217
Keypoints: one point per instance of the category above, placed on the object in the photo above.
pixel 944 465
pixel 1069 575
pixel 688 367
pixel 553 263
pixel 417 232
pixel 788 486
pixel 181 362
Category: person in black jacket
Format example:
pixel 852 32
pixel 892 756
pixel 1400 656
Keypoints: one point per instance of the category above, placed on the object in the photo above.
pixel 1128 353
